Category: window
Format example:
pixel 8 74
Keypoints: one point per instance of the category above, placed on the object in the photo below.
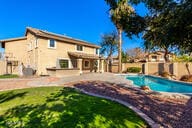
pixel 86 64
pixel 79 48
pixel 97 51
pixel 154 57
pixel 52 43
pixel 64 63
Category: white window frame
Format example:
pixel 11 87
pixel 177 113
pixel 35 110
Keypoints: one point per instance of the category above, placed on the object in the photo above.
pixel 78 50
pixel 98 51
pixel 84 64
pixel 49 44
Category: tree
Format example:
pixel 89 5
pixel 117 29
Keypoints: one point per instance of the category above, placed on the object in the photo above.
pixel 109 46
pixel 135 53
pixel 169 25
pixel 124 58
pixel 119 10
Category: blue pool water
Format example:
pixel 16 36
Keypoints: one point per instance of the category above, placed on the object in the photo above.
pixel 160 84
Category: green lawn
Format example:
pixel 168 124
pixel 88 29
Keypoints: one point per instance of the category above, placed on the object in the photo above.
pixel 8 76
pixel 58 107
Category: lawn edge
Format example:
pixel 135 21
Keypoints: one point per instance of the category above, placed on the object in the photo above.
pixel 149 121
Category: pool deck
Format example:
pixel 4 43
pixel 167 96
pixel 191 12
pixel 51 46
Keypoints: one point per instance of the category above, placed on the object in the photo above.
pixel 171 111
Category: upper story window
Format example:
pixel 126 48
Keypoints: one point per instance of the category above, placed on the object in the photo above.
pixel 52 43
pixel 97 51
pixel 154 57
pixel 79 48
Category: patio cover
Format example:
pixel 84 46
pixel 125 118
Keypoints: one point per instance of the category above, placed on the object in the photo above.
pixel 83 55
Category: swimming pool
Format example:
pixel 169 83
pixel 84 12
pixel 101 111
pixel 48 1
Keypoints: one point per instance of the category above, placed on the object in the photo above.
pixel 160 84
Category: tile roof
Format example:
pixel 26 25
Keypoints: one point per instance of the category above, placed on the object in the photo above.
pixel 13 39
pixel 83 55
pixel 45 34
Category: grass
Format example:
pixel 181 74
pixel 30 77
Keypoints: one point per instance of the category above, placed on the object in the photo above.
pixel 58 107
pixel 8 76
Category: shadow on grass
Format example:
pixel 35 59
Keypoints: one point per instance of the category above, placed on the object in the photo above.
pixel 10 96
pixel 68 108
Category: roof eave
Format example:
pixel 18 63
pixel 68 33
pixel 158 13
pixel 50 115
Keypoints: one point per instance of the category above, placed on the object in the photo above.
pixel 13 39
pixel 29 30
pixel 51 35
pixel 69 40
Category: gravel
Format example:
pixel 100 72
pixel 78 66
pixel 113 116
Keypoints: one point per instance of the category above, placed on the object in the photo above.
pixel 169 111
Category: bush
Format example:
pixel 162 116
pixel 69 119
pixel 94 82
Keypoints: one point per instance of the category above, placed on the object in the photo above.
pixel 134 69
pixel 187 78
pixel 165 74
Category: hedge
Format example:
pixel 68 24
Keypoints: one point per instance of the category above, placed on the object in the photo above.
pixel 134 69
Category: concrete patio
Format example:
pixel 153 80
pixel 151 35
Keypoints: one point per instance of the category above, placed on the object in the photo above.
pixel 17 83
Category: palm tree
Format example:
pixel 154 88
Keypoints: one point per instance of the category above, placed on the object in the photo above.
pixel 119 11
pixel 109 46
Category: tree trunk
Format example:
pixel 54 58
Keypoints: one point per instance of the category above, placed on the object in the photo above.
pixel 187 66
pixel 119 49
pixel 166 67
pixel 110 63
pixel 165 55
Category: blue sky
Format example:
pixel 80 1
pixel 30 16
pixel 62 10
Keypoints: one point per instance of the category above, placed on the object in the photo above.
pixel 85 19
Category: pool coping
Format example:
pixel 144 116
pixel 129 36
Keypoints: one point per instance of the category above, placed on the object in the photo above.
pixel 187 95
pixel 177 81
pixel 149 121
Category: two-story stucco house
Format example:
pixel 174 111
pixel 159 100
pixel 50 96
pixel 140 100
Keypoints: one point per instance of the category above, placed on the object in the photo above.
pixel 158 56
pixel 51 54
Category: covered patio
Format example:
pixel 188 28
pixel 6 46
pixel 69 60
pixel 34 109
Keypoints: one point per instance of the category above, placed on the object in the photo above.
pixel 78 63
pixel 87 62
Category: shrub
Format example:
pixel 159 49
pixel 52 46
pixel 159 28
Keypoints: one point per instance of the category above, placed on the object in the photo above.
pixel 165 74
pixel 134 69
pixel 187 78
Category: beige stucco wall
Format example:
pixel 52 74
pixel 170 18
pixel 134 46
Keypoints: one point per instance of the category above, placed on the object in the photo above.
pixel 114 68
pixel 177 69
pixel 89 50
pixel 23 51
pixel 2 67
pixel 41 57
pixel 17 50
pixel 32 51
pixel 63 72
pixel 155 68
pixel 182 69
pixel 48 56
